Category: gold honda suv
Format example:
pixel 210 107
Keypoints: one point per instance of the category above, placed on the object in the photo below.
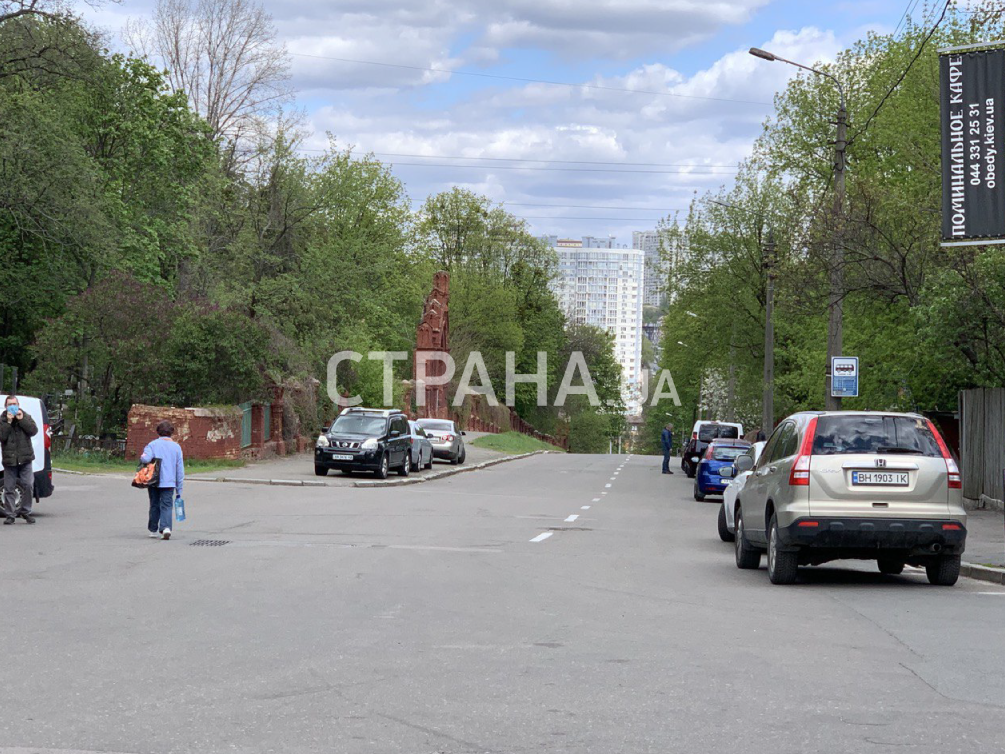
pixel 852 484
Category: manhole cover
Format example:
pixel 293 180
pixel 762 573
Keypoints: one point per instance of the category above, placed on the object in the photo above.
pixel 210 543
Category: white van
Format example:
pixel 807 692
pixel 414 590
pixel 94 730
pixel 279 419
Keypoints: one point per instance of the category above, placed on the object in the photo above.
pixel 42 465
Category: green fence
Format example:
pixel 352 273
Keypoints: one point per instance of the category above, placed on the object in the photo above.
pixel 246 425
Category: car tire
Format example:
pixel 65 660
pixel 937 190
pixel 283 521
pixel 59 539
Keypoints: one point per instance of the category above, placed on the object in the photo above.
pixel 320 470
pixel 747 557
pixel 724 533
pixel 463 456
pixel 783 567
pixel 944 571
pixel 698 494
pixel 382 472
pixel 455 460
pixel 890 567
pixel 414 465
pixel 691 471
pixel 429 463
pixel 406 466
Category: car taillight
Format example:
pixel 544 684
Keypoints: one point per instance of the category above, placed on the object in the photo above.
pixel 800 474
pixel 953 471
pixel 47 431
pixel 708 452
pixel 694 435
pixel 448 438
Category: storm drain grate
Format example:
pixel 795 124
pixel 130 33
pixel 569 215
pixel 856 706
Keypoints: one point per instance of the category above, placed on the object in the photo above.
pixel 210 543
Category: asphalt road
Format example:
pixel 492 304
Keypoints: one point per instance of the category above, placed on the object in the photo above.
pixel 425 619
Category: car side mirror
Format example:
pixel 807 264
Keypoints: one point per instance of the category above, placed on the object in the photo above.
pixel 727 471
pixel 743 464
pixel 395 433
pixel 463 432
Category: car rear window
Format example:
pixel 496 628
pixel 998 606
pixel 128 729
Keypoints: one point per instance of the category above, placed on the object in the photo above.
pixel 436 425
pixel 728 453
pixel 709 432
pixel 843 435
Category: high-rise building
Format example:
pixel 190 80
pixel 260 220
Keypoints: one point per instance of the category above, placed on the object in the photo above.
pixel 602 286
pixel 648 241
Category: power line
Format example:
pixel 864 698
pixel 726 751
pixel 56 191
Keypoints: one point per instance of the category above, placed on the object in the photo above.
pixel 911 4
pixel 605 219
pixel 903 74
pixel 526 80
pixel 557 162
pixel 560 170
pixel 591 206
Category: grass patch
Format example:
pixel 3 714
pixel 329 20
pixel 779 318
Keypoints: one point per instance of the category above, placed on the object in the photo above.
pixel 99 462
pixel 513 443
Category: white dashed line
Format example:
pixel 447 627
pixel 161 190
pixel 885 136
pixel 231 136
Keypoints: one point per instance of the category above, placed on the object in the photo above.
pixel 607 485
pixel 585 508
pixel 595 500
pixel 604 493
pixel 542 537
pixel 570 519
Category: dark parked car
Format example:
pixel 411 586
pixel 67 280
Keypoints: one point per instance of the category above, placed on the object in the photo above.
pixel 365 439
pixel 702 434
pixel 422 448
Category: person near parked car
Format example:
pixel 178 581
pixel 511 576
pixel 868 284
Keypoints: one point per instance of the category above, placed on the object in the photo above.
pixel 667 440
pixel 172 476
pixel 16 430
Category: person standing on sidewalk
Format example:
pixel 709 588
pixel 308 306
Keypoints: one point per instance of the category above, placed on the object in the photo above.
pixel 667 440
pixel 172 476
pixel 16 430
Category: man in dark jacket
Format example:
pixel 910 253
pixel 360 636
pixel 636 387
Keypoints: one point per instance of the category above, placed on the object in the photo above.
pixel 16 430
pixel 667 439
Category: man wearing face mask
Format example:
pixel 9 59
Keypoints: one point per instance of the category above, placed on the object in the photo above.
pixel 16 430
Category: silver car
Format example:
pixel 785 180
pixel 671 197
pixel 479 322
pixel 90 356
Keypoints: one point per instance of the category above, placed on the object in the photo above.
pixel 847 484
pixel 447 439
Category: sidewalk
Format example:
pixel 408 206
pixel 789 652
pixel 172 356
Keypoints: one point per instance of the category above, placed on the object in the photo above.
pixel 985 538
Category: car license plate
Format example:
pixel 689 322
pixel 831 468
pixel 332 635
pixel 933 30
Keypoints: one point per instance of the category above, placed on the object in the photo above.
pixel 888 478
pixel 341 457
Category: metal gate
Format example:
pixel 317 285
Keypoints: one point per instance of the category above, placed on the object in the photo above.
pixel 246 424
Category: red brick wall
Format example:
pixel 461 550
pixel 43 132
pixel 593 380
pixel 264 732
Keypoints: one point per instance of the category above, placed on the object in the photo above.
pixel 202 432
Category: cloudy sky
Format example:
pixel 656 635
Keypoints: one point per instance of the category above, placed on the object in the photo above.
pixel 532 92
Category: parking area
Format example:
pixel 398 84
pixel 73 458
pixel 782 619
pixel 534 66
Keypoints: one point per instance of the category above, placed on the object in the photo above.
pixel 300 469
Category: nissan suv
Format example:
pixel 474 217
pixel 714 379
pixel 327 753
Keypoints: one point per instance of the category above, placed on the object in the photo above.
pixel 365 439
pixel 846 484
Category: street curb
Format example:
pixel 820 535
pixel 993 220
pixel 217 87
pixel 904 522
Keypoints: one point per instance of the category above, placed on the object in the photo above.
pixel 378 484
pixel 983 573
pixel 448 472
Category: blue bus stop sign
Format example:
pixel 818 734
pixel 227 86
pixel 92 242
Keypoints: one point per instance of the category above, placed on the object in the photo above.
pixel 844 377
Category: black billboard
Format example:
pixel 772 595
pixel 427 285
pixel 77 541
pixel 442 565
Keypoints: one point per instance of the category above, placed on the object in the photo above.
pixel 973 145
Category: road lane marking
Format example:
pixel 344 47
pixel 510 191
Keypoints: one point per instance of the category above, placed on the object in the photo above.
pixel 542 537
pixel 604 493
pixel 570 519
pixel 585 508
pixel 595 500
pixel 613 479
pixel 607 485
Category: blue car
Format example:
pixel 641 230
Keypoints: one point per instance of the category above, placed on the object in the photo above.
pixel 719 455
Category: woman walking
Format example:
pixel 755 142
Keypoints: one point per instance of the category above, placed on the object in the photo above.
pixel 172 476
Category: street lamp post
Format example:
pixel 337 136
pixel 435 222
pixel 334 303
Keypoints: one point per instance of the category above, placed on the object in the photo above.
pixel 768 403
pixel 835 301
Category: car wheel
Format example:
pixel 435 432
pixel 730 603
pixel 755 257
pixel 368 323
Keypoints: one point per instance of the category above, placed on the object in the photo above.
pixel 414 464
pixel 406 465
pixel 724 533
pixel 782 566
pixel 320 470
pixel 429 463
pixel 455 460
pixel 747 557
pixel 697 494
pixel 463 455
pixel 381 473
pixel 944 571
pixel 690 471
pixel 890 567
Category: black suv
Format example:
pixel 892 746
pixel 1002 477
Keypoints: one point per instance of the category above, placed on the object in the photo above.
pixel 365 439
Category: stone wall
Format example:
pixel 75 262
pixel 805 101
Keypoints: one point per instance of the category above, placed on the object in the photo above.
pixel 201 432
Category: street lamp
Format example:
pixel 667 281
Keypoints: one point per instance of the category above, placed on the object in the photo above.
pixel 835 304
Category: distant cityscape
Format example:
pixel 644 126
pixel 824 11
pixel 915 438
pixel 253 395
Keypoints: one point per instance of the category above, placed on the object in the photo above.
pixel 607 285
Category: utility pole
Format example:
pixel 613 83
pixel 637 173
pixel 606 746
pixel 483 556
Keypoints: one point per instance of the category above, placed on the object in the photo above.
pixel 768 404
pixel 835 304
